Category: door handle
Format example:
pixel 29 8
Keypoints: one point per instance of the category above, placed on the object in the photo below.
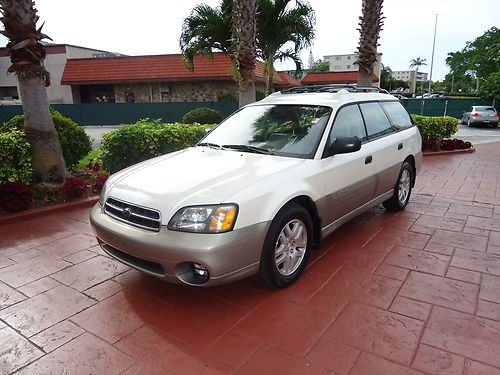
pixel 400 146
pixel 368 159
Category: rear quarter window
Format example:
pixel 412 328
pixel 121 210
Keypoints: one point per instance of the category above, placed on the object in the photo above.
pixel 377 123
pixel 398 116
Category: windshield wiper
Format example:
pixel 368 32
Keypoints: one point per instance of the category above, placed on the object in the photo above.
pixel 211 145
pixel 247 148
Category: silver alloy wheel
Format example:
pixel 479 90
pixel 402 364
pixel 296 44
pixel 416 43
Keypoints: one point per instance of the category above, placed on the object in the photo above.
pixel 290 247
pixel 404 186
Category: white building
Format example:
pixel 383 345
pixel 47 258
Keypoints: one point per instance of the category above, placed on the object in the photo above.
pixel 411 76
pixel 55 61
pixel 346 63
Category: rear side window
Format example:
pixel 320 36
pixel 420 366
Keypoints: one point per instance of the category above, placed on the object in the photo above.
pixel 377 123
pixel 400 119
pixel 348 123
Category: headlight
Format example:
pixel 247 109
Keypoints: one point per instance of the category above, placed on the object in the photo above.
pixel 205 219
pixel 103 193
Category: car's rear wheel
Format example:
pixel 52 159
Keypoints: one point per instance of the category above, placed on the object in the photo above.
pixel 402 190
pixel 287 246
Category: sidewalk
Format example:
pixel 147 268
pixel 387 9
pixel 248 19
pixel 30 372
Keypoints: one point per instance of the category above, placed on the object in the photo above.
pixel 416 292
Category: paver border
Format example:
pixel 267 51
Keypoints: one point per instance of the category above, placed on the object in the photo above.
pixel 40 211
pixel 463 151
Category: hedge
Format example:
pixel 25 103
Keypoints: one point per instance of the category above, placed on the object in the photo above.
pixel 15 158
pixel 202 116
pixel 75 143
pixel 436 127
pixel 131 144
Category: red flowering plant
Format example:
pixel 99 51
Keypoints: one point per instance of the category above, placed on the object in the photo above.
pixel 15 196
pixel 73 188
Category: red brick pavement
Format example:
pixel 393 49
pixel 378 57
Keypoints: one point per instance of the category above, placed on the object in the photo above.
pixel 416 292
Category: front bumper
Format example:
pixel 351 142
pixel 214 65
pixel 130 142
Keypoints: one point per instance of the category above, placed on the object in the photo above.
pixel 227 256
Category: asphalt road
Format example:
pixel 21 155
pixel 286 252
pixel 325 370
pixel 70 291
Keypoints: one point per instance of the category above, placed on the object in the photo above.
pixel 475 135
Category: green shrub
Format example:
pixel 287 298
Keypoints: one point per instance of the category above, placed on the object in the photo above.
pixel 227 97
pixel 259 95
pixel 75 143
pixel 15 158
pixel 436 127
pixel 202 116
pixel 131 144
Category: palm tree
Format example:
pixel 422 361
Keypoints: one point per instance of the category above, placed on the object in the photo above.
pixel 280 24
pixel 244 29
pixel 417 63
pixel 19 18
pixel 207 29
pixel 370 24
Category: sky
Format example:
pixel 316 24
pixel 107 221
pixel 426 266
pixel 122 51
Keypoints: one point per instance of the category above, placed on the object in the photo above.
pixel 154 26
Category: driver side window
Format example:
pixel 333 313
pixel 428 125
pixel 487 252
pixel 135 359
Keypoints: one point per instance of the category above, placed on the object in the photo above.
pixel 348 123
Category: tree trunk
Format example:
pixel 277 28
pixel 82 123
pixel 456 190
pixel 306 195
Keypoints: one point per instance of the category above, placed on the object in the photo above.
pixel 364 77
pixel 247 94
pixel 244 31
pixel 48 162
pixel 269 76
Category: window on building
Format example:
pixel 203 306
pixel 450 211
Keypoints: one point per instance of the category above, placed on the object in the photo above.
pixel 348 57
pixel 338 58
pixel 348 123
pixel 337 67
pixel 348 67
pixel 376 121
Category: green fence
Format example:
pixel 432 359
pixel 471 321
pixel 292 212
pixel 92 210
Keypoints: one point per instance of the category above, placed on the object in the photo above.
pixel 440 107
pixel 126 113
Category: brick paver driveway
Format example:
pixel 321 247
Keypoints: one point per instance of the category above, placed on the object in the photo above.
pixel 408 293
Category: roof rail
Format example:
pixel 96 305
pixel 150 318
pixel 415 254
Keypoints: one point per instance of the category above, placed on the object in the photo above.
pixel 333 88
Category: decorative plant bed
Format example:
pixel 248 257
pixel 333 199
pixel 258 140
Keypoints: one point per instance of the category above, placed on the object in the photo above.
pixel 446 146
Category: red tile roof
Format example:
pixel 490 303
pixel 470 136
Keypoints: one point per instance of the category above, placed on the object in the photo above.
pixel 151 68
pixel 333 77
pixel 288 80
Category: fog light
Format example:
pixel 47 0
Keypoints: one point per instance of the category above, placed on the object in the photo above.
pixel 200 269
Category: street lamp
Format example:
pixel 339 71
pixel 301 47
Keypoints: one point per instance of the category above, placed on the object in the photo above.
pixel 432 58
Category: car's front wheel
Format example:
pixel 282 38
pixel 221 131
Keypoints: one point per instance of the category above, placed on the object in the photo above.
pixel 287 245
pixel 402 190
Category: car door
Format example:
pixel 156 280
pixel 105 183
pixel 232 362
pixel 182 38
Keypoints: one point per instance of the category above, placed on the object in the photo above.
pixel 386 146
pixel 349 181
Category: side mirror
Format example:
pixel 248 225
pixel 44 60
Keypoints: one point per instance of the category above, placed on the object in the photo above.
pixel 345 145
pixel 208 130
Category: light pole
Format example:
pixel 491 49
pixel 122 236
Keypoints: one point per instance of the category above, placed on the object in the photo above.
pixel 432 58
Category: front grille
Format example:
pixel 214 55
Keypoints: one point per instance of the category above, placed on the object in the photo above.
pixel 141 217
pixel 142 264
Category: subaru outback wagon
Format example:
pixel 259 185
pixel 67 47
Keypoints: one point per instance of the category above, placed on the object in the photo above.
pixel 263 188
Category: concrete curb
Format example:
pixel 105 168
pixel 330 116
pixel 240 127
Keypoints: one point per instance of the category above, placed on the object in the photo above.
pixel 40 211
pixel 464 151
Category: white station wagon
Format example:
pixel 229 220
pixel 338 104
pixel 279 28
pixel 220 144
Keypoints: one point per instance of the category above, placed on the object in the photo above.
pixel 263 188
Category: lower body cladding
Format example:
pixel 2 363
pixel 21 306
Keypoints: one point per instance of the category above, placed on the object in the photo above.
pixel 181 257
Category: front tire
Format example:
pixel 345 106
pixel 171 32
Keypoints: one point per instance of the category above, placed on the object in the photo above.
pixel 286 247
pixel 402 190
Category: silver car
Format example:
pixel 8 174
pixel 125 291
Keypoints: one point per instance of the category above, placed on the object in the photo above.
pixel 264 187
pixel 481 114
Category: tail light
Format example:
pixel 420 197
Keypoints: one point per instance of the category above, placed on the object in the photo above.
pixel 476 115
pixel 498 115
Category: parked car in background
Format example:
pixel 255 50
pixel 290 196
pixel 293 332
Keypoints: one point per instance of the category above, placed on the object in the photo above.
pixel 477 115
pixel 261 189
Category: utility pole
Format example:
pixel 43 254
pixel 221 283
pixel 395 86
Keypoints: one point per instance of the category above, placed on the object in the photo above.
pixel 432 58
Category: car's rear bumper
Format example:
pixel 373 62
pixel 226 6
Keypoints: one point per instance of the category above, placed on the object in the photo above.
pixel 227 256
pixel 484 120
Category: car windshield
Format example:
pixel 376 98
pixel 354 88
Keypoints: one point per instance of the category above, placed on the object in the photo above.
pixel 283 130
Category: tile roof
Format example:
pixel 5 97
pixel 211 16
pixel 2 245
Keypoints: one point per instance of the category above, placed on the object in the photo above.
pixel 333 77
pixel 152 68
pixel 288 80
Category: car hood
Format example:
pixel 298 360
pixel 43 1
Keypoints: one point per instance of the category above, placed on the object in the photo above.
pixel 193 176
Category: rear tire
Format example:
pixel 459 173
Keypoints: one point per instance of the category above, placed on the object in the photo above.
pixel 286 247
pixel 402 190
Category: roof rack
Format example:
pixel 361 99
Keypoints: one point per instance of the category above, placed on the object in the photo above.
pixel 333 88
